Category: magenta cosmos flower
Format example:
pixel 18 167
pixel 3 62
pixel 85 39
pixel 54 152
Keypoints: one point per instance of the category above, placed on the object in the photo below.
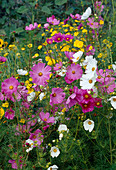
pixel 49 40
pixel 98 6
pixel 45 117
pixel 69 55
pixel 9 86
pixel 58 37
pixel 2 59
pixel 77 16
pixel 9 114
pixel 40 74
pixel 74 72
pixel 68 37
pixel 37 137
pixel 57 96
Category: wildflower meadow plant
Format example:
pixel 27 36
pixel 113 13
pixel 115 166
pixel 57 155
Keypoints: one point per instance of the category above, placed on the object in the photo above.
pixel 58 94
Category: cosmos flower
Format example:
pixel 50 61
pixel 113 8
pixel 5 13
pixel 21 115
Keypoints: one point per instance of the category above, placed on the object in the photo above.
pixel 57 96
pixel 54 152
pixel 45 117
pixel 77 16
pixel 21 72
pixel 63 128
pixel 58 37
pixel 113 101
pixel 29 144
pixel 86 14
pixel 52 20
pixel 31 27
pixel 53 167
pixel 88 125
pixel 40 74
pixel 9 114
pixel 2 59
pixel 74 72
pixel 77 56
pixel 68 37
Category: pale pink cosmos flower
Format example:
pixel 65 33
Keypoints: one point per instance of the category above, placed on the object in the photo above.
pixel 40 74
pixel 45 117
pixel 52 20
pixel 57 96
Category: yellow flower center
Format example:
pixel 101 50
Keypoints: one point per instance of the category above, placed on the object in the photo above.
pixel 99 77
pixel 11 87
pixel 114 99
pixel 86 96
pixel 93 68
pixel 98 103
pixel 73 72
pixel 34 136
pixel 55 150
pixel 90 81
pixel 59 39
pixel 77 58
pixel 85 105
pixel 45 119
pixel 54 95
pixel 40 74
pixel 89 122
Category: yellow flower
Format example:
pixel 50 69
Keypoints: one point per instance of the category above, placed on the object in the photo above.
pixel 101 22
pixel 100 55
pixel 22 121
pixel 6 54
pixel 35 55
pixel 47 58
pixel 1 112
pixel 6 104
pixel 76 33
pixel 23 49
pixel 18 55
pixel 63 110
pixel 1 42
pixel 30 90
pixel 29 45
pixel 53 33
pixel 51 62
pixel 39 25
pixel 66 30
pixel 39 47
pixel 30 79
pixel 5 43
pixel 65 48
pixel 43 34
pixel 78 44
pixel 26 82
pixel 84 31
pixel 51 29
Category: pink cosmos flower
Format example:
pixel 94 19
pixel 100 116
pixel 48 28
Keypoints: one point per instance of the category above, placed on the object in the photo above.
pixel 98 6
pixel 46 26
pixel 77 16
pixel 31 26
pixel 37 137
pixel 45 117
pixel 57 96
pixel 69 81
pixel 92 24
pixel 9 86
pixel 1 96
pixel 52 20
pixel 14 164
pixel 90 50
pixel 9 114
pixel 68 37
pixel 22 129
pixel 58 66
pixel 49 40
pixel 69 55
pixel 32 122
pixel 58 37
pixel 74 72
pixel 2 59
pixel 40 74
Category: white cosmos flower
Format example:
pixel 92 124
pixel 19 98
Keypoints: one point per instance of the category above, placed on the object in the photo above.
pixel 54 151
pixel 54 167
pixel 41 96
pixel 29 143
pixel 86 14
pixel 31 96
pixel 91 66
pixel 87 81
pixel 62 71
pixel 88 125
pixel 87 60
pixel 63 128
pixel 21 72
pixel 113 101
pixel 77 56
pixel 114 66
pixel 60 136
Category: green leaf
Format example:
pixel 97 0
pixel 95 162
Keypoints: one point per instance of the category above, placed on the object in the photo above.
pixel 18 30
pixel 2 31
pixel 46 10
pixel 69 11
pixel 60 2
pixel 22 9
